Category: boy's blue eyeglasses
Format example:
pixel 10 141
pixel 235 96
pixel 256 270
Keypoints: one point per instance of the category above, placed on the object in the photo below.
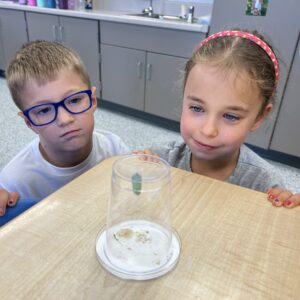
pixel 44 114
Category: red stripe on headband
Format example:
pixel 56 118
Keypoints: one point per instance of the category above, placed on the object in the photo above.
pixel 248 36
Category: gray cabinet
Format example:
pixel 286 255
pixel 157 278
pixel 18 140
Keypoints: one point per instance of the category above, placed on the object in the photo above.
pixel 142 80
pixel 13 34
pixel 82 35
pixel 123 78
pixel 42 26
pixel 280 26
pixel 286 137
pixel 163 95
pixel 141 66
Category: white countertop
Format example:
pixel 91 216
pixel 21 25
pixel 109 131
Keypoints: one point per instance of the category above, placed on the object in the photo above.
pixel 113 16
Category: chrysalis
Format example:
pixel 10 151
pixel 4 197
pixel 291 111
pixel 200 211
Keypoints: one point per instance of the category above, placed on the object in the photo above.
pixel 136 180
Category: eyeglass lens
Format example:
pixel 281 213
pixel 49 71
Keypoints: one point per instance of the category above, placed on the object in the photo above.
pixel 46 113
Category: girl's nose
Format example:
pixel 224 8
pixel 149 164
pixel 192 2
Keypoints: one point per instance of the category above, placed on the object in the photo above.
pixel 209 128
pixel 63 117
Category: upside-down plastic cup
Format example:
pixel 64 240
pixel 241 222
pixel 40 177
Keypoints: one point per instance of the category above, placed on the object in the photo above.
pixel 139 242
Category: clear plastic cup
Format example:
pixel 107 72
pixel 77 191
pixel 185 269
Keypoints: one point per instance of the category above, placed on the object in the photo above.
pixel 139 237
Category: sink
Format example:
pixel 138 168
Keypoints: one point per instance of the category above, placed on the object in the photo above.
pixel 152 16
pixel 172 18
pixel 162 17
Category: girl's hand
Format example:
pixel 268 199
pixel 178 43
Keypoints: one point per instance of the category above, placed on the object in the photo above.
pixel 281 197
pixel 7 199
pixel 147 152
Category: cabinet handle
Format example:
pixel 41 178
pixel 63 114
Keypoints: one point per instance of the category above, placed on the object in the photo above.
pixel 148 71
pixel 139 69
pixel 61 33
pixel 54 35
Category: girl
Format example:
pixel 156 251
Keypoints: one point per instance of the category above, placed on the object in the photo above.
pixel 229 85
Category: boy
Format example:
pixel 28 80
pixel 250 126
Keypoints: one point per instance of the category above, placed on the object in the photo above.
pixel 50 85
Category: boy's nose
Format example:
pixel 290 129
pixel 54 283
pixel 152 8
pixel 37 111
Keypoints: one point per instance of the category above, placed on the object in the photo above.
pixel 209 128
pixel 63 116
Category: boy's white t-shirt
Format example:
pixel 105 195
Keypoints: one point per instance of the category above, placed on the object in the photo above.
pixel 35 178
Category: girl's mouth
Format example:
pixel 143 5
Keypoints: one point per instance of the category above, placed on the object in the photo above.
pixel 203 146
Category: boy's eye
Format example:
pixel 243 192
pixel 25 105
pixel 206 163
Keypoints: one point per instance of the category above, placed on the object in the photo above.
pixel 231 118
pixel 196 108
pixel 74 100
pixel 43 111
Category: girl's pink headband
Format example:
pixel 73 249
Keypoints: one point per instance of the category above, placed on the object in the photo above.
pixel 249 36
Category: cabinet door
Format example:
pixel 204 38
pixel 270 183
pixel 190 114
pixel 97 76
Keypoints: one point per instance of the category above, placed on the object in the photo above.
pixel 286 136
pixel 78 34
pixel 123 79
pixel 82 35
pixel 13 34
pixel 42 27
pixel 164 85
pixel 2 58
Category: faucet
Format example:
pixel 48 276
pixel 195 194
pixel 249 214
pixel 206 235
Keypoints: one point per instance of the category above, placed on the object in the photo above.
pixel 149 10
pixel 190 15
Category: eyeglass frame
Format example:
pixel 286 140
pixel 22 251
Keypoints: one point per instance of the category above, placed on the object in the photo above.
pixel 57 105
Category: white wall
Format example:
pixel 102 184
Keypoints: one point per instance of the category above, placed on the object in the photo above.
pixel 172 7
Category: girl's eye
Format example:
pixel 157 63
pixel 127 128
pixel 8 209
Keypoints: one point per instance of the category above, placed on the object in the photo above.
pixel 231 118
pixel 196 109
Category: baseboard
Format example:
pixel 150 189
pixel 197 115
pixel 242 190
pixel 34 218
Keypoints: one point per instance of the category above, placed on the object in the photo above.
pixel 155 120
pixel 277 156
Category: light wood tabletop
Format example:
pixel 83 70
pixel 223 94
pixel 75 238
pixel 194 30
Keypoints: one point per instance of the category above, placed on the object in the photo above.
pixel 234 245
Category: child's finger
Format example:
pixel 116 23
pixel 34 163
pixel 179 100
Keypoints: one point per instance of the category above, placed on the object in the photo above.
pixel 292 201
pixel 137 152
pixel 278 197
pixel 13 198
pixel 2 210
pixel 150 152
pixel 145 151
pixel 149 155
pixel 3 201
pixel 272 193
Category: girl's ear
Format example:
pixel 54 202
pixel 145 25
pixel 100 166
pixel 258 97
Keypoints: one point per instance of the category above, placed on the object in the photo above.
pixel 261 118
pixel 94 98
pixel 28 124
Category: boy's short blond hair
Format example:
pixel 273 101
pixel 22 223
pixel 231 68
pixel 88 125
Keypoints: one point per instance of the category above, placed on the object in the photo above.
pixel 41 61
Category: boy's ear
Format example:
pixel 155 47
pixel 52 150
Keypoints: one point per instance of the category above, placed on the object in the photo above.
pixel 261 117
pixel 28 124
pixel 94 98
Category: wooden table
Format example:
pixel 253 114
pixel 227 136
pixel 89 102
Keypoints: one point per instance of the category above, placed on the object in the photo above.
pixel 235 245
